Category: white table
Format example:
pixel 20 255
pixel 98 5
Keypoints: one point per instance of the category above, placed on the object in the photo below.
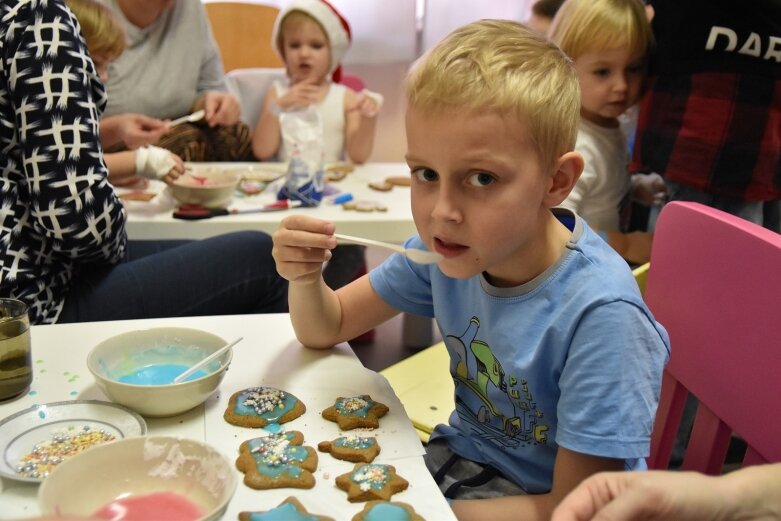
pixel 393 225
pixel 268 355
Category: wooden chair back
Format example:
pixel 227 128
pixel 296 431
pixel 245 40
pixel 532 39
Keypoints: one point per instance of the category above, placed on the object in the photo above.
pixel 243 33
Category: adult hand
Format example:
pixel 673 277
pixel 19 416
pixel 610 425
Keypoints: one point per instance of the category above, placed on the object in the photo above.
pixel 301 245
pixel 222 109
pixel 651 496
pixel 137 130
pixel 300 95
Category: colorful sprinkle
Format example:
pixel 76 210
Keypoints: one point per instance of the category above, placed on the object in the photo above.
pixel 371 476
pixel 264 399
pixel 64 443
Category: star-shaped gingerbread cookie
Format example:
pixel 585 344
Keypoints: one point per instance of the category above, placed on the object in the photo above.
pixel 354 412
pixel 387 510
pixel 291 508
pixel 368 481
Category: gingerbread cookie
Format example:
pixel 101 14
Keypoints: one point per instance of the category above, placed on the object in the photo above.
pixel 355 412
pixel 277 461
pixel 368 481
pixel 387 510
pixel 291 508
pixel 260 406
pixel 351 448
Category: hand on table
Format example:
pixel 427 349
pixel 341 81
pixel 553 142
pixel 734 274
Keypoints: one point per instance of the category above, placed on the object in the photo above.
pixel 222 109
pixel 301 245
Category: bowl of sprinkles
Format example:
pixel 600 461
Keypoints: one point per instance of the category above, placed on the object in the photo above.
pixel 37 440
pixel 154 477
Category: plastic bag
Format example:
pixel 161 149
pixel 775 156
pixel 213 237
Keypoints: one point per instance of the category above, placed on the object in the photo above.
pixel 302 134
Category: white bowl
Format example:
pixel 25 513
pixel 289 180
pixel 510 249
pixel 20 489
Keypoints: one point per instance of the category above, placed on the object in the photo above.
pixel 126 353
pixel 140 466
pixel 212 187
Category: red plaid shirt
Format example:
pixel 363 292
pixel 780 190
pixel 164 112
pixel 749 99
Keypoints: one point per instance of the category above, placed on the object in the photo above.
pixel 711 118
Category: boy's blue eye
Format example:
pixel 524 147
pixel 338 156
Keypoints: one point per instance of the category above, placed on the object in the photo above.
pixel 481 179
pixel 426 175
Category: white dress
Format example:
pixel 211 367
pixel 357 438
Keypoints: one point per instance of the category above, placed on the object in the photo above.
pixel 331 111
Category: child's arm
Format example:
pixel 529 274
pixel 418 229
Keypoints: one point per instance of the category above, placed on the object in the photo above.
pixel 267 137
pixel 360 121
pixel 320 316
pixel 569 470
pixel 145 162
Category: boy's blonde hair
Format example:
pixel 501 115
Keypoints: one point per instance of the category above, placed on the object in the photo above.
pixel 582 26
pixel 505 67
pixel 101 30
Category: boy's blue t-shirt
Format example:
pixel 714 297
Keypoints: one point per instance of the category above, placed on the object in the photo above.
pixel 571 358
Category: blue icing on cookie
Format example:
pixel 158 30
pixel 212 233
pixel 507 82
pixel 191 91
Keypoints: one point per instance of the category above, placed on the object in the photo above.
pixel 371 476
pixel 284 512
pixel 386 512
pixel 274 455
pixel 354 406
pixel 355 442
pixel 266 402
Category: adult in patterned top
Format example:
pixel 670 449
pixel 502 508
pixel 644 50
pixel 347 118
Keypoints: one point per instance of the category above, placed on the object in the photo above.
pixel 170 68
pixel 710 122
pixel 63 246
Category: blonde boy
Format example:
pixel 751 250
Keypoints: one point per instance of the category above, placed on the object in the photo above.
pixel 555 358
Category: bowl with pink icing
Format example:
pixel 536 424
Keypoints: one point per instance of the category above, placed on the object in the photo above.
pixel 137 369
pixel 212 187
pixel 158 477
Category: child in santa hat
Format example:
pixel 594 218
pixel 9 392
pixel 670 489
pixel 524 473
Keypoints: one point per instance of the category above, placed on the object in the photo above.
pixel 311 37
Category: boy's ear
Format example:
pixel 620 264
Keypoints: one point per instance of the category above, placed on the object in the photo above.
pixel 567 170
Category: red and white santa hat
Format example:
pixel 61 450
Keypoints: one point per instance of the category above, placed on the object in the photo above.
pixel 336 29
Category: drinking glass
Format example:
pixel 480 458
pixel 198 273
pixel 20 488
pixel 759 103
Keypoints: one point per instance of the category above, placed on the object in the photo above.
pixel 16 371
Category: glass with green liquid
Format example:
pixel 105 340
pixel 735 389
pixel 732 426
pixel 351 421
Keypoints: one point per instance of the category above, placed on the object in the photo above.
pixel 16 369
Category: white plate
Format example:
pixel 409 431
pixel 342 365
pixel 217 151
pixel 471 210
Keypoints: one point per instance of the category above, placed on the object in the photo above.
pixel 21 431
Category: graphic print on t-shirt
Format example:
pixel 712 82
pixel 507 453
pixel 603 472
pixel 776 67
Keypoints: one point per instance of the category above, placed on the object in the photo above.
pixel 498 406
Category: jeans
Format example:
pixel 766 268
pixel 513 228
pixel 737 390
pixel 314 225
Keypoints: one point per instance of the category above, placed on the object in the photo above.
pixel 225 275
pixel 763 213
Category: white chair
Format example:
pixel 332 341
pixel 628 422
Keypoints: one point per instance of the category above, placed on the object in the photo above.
pixel 250 87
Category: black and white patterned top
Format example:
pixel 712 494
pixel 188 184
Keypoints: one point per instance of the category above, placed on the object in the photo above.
pixel 58 212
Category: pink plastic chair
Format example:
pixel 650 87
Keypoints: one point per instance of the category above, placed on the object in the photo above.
pixel 715 285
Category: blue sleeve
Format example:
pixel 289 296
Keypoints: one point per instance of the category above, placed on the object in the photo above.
pixel 610 382
pixel 405 285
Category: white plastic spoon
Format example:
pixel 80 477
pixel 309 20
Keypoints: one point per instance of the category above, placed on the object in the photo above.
pixel 413 254
pixel 206 360
pixel 189 118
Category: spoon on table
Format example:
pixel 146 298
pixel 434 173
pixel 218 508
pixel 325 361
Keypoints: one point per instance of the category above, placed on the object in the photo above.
pixel 413 254
pixel 189 118
pixel 206 360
